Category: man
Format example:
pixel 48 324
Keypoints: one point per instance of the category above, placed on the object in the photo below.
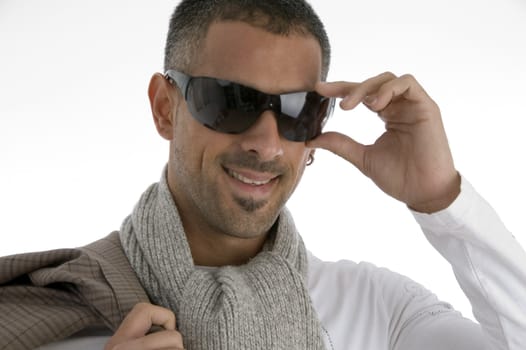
pixel 210 258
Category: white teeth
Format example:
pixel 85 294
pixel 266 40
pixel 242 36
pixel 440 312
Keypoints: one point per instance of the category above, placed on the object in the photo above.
pixel 246 180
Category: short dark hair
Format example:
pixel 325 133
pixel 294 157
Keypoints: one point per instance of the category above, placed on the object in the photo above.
pixel 191 19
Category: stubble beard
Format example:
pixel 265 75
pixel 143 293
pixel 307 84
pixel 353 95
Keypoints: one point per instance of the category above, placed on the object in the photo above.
pixel 250 205
pixel 241 217
pixel 245 217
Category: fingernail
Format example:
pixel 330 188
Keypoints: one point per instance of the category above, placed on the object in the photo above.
pixel 369 99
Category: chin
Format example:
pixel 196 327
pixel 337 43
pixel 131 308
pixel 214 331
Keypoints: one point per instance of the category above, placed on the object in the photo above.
pixel 250 205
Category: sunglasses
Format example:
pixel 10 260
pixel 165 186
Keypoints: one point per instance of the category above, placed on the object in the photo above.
pixel 232 108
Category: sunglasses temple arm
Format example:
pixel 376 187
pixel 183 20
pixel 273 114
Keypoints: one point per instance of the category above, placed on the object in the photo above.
pixel 180 79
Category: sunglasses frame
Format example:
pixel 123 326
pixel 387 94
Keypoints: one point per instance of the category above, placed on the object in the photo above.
pixel 182 81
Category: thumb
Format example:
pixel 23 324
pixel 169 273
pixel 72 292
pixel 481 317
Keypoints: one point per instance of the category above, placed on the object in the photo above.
pixel 341 145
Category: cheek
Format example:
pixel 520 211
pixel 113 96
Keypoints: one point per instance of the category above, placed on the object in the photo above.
pixel 300 156
pixel 202 146
pixel 301 153
pixel 186 143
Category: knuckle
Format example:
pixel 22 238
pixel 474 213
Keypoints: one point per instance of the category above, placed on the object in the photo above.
pixel 141 307
pixel 388 74
pixel 408 77
pixel 177 337
pixel 173 339
pixel 169 317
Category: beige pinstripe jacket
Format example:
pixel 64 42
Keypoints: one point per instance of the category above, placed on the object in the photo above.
pixel 51 295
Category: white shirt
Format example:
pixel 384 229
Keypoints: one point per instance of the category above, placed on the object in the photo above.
pixel 364 307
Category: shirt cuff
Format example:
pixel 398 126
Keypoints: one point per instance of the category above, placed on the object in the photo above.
pixel 453 216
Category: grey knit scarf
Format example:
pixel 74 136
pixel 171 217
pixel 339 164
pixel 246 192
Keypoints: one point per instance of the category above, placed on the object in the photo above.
pixel 261 305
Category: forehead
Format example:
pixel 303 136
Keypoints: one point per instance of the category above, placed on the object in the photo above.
pixel 249 55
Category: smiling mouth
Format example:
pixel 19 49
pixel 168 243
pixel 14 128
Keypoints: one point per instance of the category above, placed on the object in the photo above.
pixel 247 180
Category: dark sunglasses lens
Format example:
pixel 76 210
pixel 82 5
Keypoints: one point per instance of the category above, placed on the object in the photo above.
pixel 303 115
pixel 233 108
pixel 221 105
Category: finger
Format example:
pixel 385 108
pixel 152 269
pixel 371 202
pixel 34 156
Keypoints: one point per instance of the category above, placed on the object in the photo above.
pixel 352 93
pixel 341 145
pixel 141 318
pixel 366 88
pixel 335 89
pixel 405 87
pixel 157 341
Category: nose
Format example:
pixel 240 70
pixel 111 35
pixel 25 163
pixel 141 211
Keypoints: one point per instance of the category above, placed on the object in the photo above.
pixel 263 137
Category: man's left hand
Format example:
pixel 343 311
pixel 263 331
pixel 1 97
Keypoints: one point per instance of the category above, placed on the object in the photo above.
pixel 411 161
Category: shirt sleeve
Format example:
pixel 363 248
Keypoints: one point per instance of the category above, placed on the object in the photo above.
pixel 489 265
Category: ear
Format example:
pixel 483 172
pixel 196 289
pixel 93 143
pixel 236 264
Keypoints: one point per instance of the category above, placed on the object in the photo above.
pixel 163 102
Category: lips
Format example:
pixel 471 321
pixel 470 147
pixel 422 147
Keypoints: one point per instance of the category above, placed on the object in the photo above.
pixel 251 178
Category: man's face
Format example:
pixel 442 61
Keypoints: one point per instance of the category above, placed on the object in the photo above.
pixel 237 184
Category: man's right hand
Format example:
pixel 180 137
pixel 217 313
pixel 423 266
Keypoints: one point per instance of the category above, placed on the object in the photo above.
pixel 133 332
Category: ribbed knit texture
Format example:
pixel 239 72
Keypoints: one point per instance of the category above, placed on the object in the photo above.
pixel 261 305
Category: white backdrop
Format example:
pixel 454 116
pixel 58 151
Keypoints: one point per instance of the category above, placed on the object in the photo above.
pixel 78 147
